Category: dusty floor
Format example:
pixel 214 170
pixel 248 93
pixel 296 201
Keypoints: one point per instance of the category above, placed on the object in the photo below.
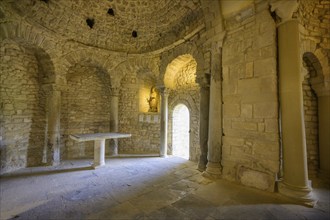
pixel 141 188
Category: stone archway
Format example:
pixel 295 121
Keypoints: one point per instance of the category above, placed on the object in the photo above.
pixel 181 131
pixel 85 107
pixel 317 120
pixel 180 79
pixel 27 70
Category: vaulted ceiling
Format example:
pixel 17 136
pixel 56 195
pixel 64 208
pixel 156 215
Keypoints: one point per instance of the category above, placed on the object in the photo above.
pixel 131 26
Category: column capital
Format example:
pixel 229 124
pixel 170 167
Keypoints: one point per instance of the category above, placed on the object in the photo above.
pixel 284 9
pixel 163 90
pixel 216 42
pixel 203 80
pixel 114 91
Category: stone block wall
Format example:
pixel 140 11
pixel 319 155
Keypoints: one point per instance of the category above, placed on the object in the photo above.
pixel 23 121
pixel 250 152
pixel 311 127
pixel 85 109
pixel 315 18
pixel 144 126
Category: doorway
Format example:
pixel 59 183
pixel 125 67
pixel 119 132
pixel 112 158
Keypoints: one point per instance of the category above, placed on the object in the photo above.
pixel 181 127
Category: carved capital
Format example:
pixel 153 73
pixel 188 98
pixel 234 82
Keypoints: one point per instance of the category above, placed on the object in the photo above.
pixel 284 9
pixel 203 80
pixel 163 90
pixel 114 91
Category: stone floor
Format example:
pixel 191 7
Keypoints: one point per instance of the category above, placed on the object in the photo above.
pixel 141 188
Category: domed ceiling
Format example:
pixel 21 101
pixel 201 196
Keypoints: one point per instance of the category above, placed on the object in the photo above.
pixel 132 26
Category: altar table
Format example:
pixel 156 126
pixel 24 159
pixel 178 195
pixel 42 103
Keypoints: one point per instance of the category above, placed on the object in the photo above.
pixel 99 144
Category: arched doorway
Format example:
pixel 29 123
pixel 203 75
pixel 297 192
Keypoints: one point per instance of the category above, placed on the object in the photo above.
pixel 181 127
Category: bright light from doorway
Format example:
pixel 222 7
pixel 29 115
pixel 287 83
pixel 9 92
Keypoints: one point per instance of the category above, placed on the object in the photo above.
pixel 181 131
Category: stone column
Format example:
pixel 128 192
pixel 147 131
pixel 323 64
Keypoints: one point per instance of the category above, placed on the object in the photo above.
pixel 204 84
pixel 322 90
pixel 295 178
pixel 51 152
pixel 164 92
pixel 99 150
pixel 213 167
pixel 114 106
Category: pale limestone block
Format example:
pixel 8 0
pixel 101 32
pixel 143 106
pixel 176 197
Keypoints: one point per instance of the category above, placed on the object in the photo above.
pixel 271 125
pixel 231 110
pixel 269 51
pixel 246 111
pixel 265 110
pixel 257 179
pixel 245 125
pixel 261 127
pixel 265 67
pixel 226 123
pixel 232 99
pixel 225 73
pixel 249 69
pixel 226 150
pixel 234 141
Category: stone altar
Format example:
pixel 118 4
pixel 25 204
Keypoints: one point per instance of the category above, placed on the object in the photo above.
pixel 99 144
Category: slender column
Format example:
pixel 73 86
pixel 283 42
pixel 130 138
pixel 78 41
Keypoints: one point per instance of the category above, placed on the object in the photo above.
pixel 114 106
pixel 295 178
pixel 164 92
pixel 213 167
pixel 51 152
pixel 204 83
pixel 99 153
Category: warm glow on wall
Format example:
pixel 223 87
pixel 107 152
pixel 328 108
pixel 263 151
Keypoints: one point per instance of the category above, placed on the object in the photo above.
pixel 144 93
pixel 180 72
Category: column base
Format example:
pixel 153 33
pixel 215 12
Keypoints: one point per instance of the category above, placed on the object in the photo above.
pixel 202 164
pixel 201 167
pixel 163 156
pixel 213 170
pixel 300 194
pixel 96 166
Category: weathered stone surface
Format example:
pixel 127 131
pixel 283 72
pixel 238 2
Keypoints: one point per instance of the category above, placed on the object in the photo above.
pixel 256 179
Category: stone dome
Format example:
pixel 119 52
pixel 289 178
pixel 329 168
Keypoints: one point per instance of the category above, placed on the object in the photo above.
pixel 132 26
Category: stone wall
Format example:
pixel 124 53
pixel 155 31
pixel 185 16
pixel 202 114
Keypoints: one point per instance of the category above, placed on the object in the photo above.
pixel 250 152
pixel 144 126
pixel 314 16
pixel 23 122
pixel 85 108
pixel 311 127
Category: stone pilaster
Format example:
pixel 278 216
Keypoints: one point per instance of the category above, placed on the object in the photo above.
pixel 204 84
pixel 213 167
pixel 114 103
pixel 51 151
pixel 295 177
pixel 164 93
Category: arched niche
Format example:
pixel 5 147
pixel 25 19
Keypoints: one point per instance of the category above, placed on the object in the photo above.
pixel 85 107
pixel 26 72
pixel 317 119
